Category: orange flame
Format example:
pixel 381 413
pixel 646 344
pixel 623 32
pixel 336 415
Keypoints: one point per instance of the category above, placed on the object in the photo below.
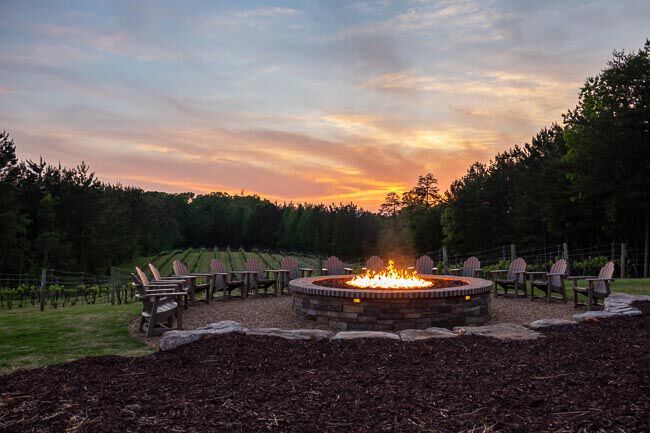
pixel 391 278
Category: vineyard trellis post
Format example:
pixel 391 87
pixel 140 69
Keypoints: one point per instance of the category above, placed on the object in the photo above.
pixel 645 252
pixel 513 252
pixel 42 289
pixel 622 260
pixel 565 252
pixel 113 285
pixel 445 260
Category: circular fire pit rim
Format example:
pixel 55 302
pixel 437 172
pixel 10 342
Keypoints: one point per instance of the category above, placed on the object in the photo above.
pixel 474 286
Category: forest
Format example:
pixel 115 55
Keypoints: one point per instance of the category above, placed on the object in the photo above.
pixel 584 182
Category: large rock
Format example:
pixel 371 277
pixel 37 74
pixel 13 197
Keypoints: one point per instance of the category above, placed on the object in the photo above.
pixel 616 304
pixel 173 339
pixel 588 316
pixel 223 324
pixel 291 334
pixel 352 335
pixel 548 323
pixel 425 334
pixel 502 331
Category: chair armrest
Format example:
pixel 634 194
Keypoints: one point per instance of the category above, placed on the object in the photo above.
pixel 536 273
pixel 348 270
pixel 599 279
pixel 168 281
pixel 160 294
pixel 579 277
pixel 557 274
pixel 201 274
pixel 499 271
pixel 306 269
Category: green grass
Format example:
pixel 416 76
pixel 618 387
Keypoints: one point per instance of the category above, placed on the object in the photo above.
pixel 29 338
pixel 636 286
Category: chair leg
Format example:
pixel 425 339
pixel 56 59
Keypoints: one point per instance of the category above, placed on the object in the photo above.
pixel 179 317
pixel 548 293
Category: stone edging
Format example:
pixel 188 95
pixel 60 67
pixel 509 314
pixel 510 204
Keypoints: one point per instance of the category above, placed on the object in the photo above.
pixel 615 305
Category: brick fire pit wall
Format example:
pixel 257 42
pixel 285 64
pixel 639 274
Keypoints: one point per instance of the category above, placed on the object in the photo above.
pixel 392 310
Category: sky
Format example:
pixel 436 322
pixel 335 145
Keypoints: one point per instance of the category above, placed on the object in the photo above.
pixel 323 101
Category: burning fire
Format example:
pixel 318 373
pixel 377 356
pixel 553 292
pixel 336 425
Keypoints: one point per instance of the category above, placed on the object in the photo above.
pixel 391 278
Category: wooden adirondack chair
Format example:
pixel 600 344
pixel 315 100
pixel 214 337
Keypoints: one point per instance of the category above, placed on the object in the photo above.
pixel 186 284
pixel 334 266
pixel 224 281
pixel 180 271
pixel 263 279
pixel 471 268
pixel 375 264
pixel 515 278
pixel 549 282
pixel 160 304
pixel 294 270
pixel 597 288
pixel 424 266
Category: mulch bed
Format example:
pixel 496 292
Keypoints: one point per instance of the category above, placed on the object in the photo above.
pixel 587 378
pixel 438 283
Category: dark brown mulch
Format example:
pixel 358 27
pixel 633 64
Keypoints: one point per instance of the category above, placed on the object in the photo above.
pixel 438 283
pixel 585 378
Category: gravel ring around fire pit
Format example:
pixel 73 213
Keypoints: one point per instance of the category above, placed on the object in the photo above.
pixel 275 312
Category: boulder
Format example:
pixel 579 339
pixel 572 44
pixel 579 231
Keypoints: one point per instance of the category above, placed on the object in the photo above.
pixel 425 334
pixel 223 324
pixel 587 315
pixel 173 339
pixel 548 323
pixel 352 335
pixel 502 331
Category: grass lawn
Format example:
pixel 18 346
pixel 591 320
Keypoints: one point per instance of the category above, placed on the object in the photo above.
pixel 638 286
pixel 29 338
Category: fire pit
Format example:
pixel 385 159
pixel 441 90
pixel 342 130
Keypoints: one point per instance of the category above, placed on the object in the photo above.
pixel 391 301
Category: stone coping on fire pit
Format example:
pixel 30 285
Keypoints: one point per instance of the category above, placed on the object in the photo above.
pixel 471 286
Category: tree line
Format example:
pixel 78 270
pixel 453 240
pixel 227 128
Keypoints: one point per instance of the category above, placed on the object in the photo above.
pixel 585 182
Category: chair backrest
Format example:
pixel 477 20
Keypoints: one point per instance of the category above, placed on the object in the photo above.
pixel 292 266
pixel 154 272
pixel 179 268
pixel 254 265
pixel 606 273
pixel 424 265
pixel 141 276
pixel 375 264
pixel 470 266
pixel 334 266
pixel 517 265
pixel 217 266
pixel 559 267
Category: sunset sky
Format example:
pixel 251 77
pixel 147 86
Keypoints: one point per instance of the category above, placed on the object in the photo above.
pixel 308 101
